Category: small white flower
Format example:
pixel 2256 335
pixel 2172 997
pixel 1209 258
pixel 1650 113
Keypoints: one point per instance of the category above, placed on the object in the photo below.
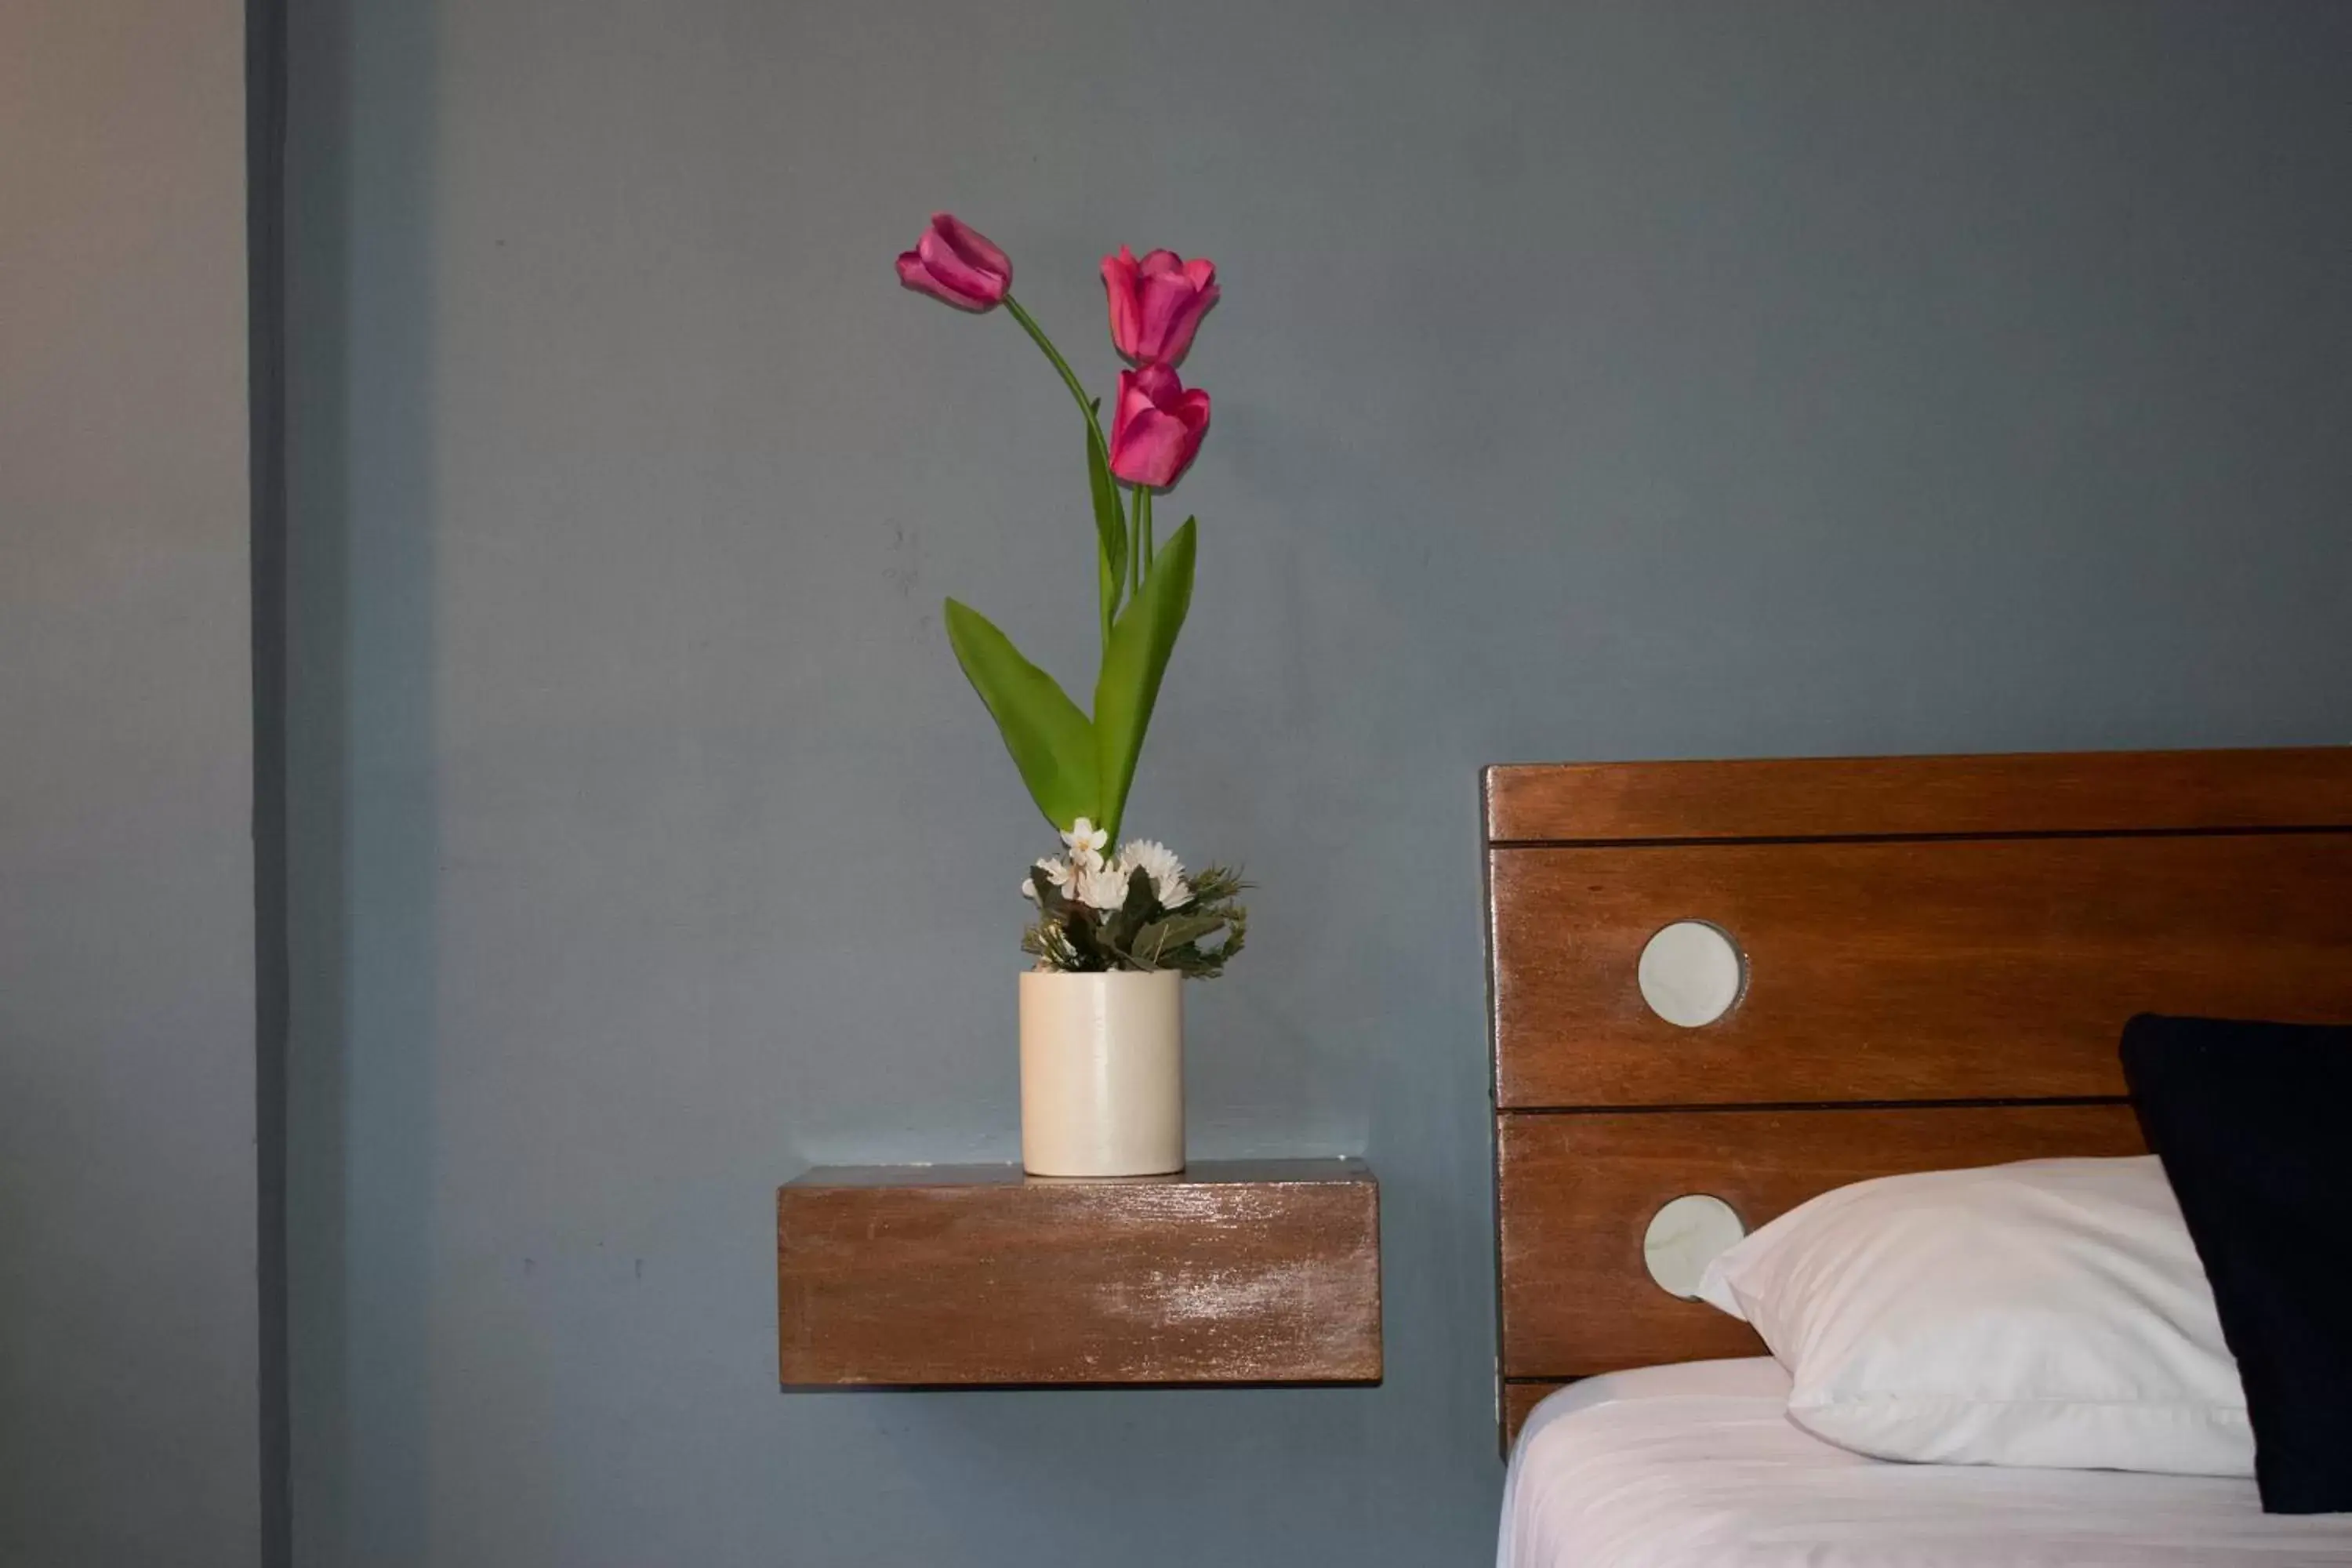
pixel 1085 841
pixel 1057 873
pixel 1159 863
pixel 1028 890
pixel 1102 888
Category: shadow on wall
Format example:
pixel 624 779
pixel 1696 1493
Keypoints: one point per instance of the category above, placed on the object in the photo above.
pixel 363 840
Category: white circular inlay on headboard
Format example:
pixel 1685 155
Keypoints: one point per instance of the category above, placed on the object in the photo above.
pixel 1684 1236
pixel 1691 974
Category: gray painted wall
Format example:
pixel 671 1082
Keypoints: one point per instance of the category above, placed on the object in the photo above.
pixel 128 1329
pixel 1593 381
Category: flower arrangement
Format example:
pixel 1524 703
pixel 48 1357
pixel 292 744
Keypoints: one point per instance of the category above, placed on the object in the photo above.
pixel 1134 908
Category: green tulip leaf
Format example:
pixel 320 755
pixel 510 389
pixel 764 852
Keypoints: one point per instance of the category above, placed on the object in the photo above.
pixel 1050 740
pixel 1110 530
pixel 1132 665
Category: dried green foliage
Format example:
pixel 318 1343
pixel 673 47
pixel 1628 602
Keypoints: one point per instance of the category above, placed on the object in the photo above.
pixel 1196 939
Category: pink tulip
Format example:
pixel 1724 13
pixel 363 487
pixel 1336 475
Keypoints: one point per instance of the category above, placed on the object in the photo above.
pixel 1156 303
pixel 955 263
pixel 1156 427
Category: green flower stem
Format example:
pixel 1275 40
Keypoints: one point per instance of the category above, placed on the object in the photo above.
pixel 1069 377
pixel 1142 502
pixel 1078 395
pixel 1146 529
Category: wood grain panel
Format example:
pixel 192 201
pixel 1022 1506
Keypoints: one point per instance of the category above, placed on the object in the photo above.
pixel 2064 792
pixel 1579 1191
pixel 1267 1272
pixel 1905 970
pixel 1917 929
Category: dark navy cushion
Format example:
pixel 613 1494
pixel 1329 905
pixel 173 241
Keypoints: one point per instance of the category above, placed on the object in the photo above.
pixel 2253 1124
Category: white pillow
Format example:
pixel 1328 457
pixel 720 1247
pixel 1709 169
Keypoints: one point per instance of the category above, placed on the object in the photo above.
pixel 2051 1312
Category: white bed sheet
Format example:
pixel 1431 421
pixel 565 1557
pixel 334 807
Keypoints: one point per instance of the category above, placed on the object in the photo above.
pixel 1697 1465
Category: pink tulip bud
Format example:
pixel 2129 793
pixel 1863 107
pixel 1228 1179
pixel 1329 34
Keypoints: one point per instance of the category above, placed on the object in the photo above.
pixel 955 263
pixel 1156 303
pixel 1156 427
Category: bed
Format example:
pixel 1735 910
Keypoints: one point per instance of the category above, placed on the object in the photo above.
pixel 1697 1464
pixel 1936 956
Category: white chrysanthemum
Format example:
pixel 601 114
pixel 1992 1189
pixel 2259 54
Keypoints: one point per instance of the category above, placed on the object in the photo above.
pixel 1102 888
pixel 1159 863
pixel 1087 842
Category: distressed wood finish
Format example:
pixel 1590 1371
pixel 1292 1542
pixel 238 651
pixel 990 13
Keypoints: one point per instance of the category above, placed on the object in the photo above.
pixel 1930 941
pixel 1576 1296
pixel 2055 791
pixel 1905 970
pixel 941 1276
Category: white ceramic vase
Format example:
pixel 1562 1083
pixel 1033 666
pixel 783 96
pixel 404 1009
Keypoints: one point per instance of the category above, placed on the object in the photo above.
pixel 1102 1074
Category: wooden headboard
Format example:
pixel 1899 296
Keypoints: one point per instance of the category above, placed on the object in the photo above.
pixel 1940 953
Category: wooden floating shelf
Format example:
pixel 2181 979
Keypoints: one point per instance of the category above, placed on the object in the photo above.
pixel 964 1275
